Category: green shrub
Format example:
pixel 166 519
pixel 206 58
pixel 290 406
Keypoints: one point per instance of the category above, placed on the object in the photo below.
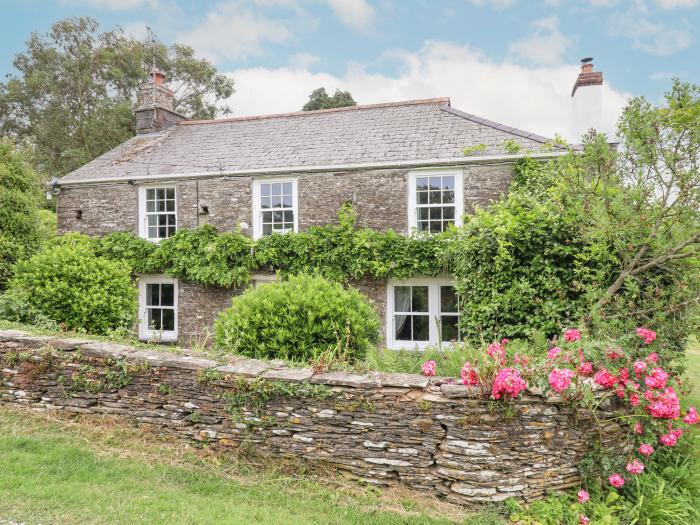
pixel 19 221
pixel 68 284
pixel 298 319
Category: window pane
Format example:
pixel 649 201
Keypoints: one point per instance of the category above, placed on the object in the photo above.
pixel 168 319
pixel 422 197
pixel 150 194
pixel 448 212
pixel 288 216
pixel 287 188
pixel 420 327
pixel 154 320
pixel 153 220
pixel 170 193
pixel 162 232
pixel 422 183
pixel 448 299
pixel 171 231
pixel 419 299
pixel 152 232
pixel 435 197
pixel 160 193
pixel 276 189
pixel 267 229
pixel 276 201
pixel 436 213
pixel 152 294
pixel 448 182
pixel 287 201
pixel 160 206
pixel 402 327
pixel 435 183
pixel 264 190
pixel 266 202
pixel 170 206
pixel 448 197
pixel 435 227
pixel 449 328
pixel 423 214
pixel 150 206
pixel 402 298
pixel 277 216
pixel 167 297
pixel 423 226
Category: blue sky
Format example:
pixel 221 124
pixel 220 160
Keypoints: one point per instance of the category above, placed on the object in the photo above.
pixel 509 60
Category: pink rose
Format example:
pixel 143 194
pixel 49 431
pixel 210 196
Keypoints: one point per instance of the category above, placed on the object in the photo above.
pixel 583 520
pixel 497 351
pixel 572 335
pixel 645 449
pixel 605 378
pixel 691 416
pixel 657 378
pixel 616 480
pixel 428 368
pixel 553 353
pixel 652 358
pixel 664 404
pixel 583 496
pixel 508 381
pixel 639 367
pixel 638 428
pixel 671 438
pixel 585 368
pixel 469 375
pixel 634 400
pixel 635 468
pixel 648 336
pixel 560 379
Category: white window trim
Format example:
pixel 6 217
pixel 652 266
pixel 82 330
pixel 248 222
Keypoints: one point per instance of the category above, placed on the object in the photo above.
pixel 257 210
pixel 433 284
pixel 457 173
pixel 145 332
pixel 143 218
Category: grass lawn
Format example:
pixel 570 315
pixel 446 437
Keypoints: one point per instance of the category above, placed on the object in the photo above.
pixel 693 374
pixel 103 471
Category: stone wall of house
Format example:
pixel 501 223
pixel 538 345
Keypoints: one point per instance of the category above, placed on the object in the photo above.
pixel 380 198
pixel 431 435
pixel 198 306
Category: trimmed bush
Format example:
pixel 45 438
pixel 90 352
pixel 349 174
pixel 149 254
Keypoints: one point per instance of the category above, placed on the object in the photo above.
pixel 298 319
pixel 68 284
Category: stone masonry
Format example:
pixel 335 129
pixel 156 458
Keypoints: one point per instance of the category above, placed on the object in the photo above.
pixel 431 435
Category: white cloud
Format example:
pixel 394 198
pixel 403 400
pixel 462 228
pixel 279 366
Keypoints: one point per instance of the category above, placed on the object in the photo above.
pixel 653 37
pixel 672 4
pixel 536 99
pixel 357 14
pixel 545 44
pixel 303 60
pixel 233 31
pixel 495 4
pixel 602 3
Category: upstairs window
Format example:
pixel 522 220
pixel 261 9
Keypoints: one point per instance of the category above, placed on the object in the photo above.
pixel 158 308
pixel 158 212
pixel 435 200
pixel 421 312
pixel 274 207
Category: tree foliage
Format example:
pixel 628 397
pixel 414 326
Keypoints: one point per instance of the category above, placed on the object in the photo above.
pixel 320 99
pixel 20 227
pixel 75 90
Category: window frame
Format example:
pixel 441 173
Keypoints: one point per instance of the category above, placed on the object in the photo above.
pixel 434 312
pixel 257 208
pixel 145 332
pixel 143 214
pixel 414 175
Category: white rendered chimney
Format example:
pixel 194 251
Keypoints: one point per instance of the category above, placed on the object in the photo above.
pixel 587 97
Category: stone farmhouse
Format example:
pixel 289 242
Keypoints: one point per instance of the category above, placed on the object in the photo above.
pixel 402 165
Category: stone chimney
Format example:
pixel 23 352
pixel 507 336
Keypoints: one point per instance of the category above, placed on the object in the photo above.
pixel 587 95
pixel 155 111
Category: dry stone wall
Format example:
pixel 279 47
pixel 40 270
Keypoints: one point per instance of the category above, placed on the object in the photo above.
pixel 432 435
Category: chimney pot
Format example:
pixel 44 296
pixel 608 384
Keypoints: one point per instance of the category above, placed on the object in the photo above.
pixel 158 77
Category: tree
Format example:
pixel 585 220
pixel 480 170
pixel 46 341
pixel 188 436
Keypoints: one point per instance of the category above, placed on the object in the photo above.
pixel 19 202
pixel 75 90
pixel 319 99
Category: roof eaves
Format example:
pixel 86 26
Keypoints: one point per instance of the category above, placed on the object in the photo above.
pixel 501 127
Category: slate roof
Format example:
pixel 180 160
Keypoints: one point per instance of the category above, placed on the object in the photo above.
pixel 416 130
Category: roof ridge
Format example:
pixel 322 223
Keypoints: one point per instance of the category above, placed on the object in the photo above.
pixel 444 101
pixel 501 127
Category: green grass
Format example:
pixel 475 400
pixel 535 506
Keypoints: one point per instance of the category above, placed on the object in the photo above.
pixel 692 373
pixel 103 471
